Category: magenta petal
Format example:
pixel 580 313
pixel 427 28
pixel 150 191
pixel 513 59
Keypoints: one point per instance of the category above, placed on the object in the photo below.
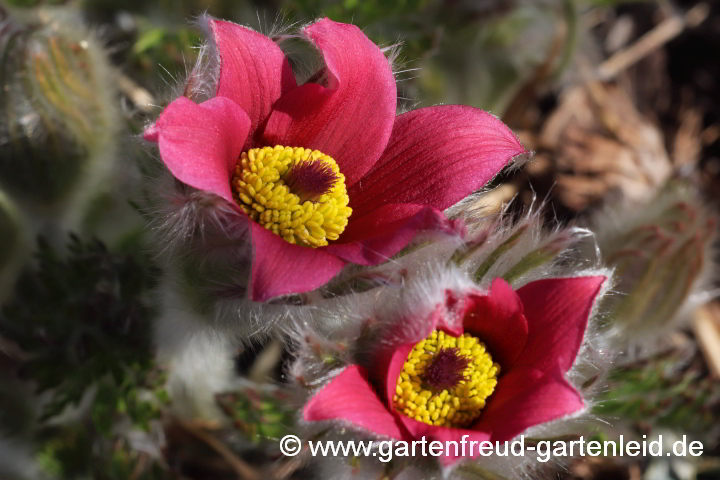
pixel 392 366
pixel 351 117
pixel 498 320
pixel 281 268
pixel 350 397
pixel 433 433
pixel 525 398
pixel 382 233
pixel 254 72
pixel 200 144
pixel 557 312
pixel 437 156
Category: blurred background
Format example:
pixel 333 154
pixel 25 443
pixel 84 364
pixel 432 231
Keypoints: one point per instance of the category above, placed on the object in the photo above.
pixel 618 99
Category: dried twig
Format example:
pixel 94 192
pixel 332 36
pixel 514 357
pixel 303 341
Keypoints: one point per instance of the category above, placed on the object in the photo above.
pixel 140 467
pixel 242 468
pixel 141 98
pixel 652 40
pixel 706 325
pixel 12 350
pixel 285 469
pixel 266 362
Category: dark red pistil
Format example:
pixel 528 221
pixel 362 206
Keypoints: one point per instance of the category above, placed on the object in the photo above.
pixel 310 180
pixel 446 369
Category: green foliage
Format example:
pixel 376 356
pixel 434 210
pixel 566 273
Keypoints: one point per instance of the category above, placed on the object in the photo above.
pixel 81 319
pixel 34 3
pixel 355 11
pixel 162 49
pixel 140 397
pixel 660 392
pixel 17 411
pixel 13 251
pixel 73 453
pixel 261 415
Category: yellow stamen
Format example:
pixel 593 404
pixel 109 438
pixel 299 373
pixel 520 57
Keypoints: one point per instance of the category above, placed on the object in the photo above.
pixel 259 187
pixel 458 406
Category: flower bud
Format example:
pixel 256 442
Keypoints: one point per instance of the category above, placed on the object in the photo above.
pixel 660 253
pixel 521 251
pixel 59 117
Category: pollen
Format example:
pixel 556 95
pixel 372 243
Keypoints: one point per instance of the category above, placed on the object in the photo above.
pixel 294 192
pixel 446 380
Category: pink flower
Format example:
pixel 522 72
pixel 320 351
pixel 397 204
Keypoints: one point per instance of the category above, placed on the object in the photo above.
pixel 511 349
pixel 397 172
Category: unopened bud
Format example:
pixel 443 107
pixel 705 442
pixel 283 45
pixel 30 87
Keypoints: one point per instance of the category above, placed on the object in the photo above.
pixel 516 252
pixel 58 107
pixel 659 251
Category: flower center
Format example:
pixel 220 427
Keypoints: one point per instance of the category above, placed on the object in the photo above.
pixel 294 192
pixel 446 380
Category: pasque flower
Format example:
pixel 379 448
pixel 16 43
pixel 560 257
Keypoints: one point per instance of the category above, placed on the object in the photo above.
pixel 325 172
pixel 485 366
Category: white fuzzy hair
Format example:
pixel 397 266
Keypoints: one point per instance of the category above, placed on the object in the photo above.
pixel 199 358
pixel 354 328
pixel 205 247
